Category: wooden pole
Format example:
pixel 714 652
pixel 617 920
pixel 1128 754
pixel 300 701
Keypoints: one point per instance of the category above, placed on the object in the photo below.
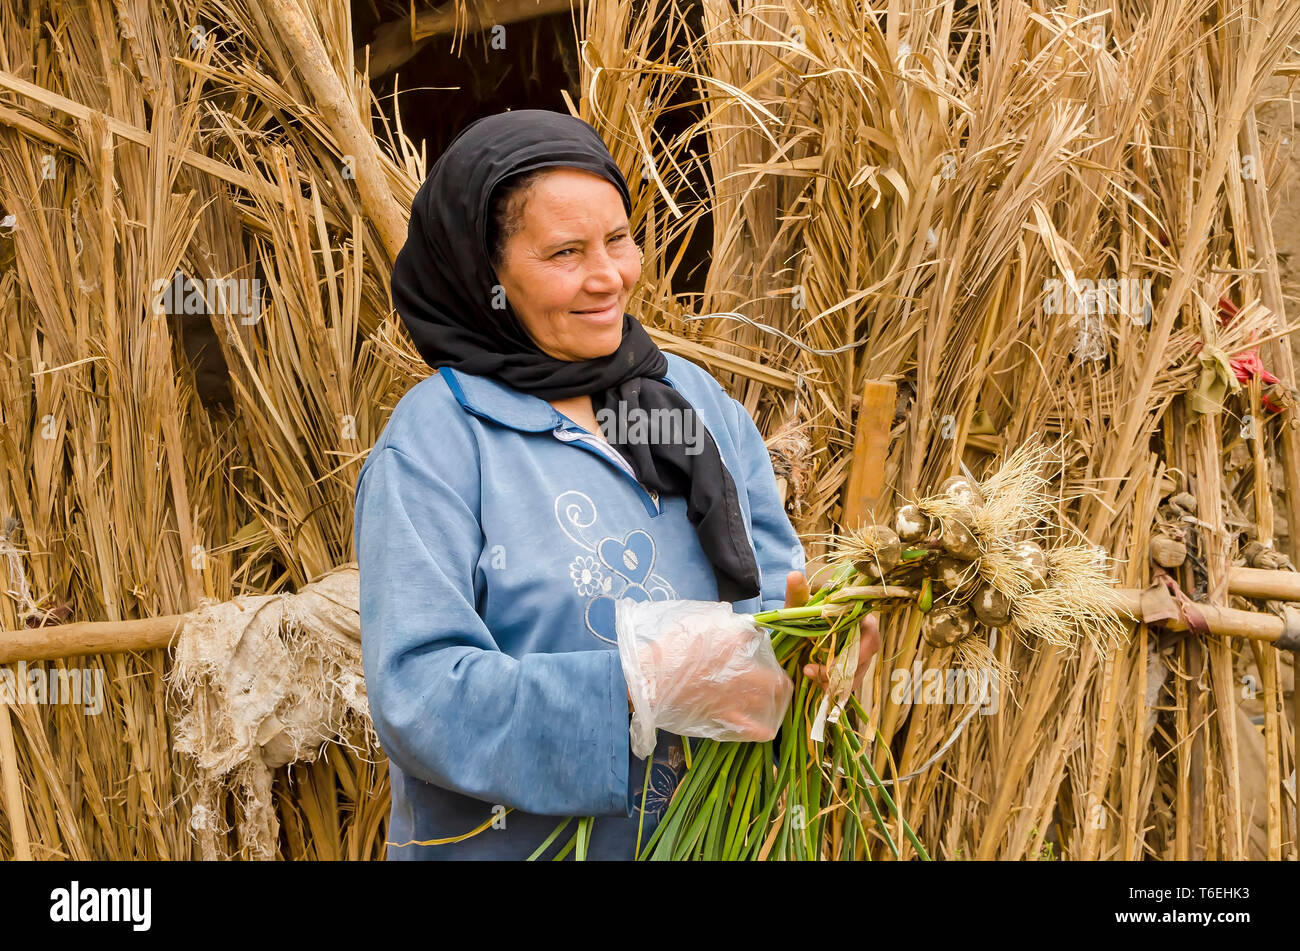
pixel 13 789
pixel 866 483
pixel 112 637
pixel 1224 622
pixel 339 113
pixel 1264 584
pixel 88 637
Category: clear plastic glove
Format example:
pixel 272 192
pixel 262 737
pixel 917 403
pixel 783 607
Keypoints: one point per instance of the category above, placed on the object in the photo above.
pixel 697 668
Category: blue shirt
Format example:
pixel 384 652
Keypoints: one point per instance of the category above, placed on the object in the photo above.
pixel 493 536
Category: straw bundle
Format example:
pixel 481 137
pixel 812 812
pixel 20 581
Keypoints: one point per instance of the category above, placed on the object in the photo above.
pixel 155 461
pixel 913 196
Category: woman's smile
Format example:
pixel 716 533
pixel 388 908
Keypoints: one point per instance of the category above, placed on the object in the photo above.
pixel 603 318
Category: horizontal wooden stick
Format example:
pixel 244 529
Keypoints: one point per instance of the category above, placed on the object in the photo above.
pixel 89 637
pixel 111 637
pixel 1264 583
pixel 1225 622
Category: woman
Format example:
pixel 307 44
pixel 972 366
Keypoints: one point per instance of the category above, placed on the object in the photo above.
pixel 497 524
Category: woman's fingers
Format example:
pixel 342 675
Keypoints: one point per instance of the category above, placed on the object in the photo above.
pixel 868 645
pixel 796 590
pixel 818 673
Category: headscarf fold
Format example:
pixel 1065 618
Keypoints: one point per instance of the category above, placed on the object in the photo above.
pixel 444 288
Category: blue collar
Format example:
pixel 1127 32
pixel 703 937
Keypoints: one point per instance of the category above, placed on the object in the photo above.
pixel 490 398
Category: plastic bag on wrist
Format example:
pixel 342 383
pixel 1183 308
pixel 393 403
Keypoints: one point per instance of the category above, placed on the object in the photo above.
pixel 697 668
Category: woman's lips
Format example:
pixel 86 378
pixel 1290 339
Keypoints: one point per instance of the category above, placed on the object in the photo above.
pixel 606 316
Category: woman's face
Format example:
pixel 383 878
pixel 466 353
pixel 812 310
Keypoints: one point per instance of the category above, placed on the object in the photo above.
pixel 570 269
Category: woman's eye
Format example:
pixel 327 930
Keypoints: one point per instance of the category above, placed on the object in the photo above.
pixel 620 237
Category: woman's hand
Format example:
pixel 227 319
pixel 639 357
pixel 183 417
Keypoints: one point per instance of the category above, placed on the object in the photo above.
pixel 696 668
pixel 718 676
pixel 796 595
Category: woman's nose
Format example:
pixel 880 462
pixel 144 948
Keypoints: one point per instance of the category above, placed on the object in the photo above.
pixel 604 274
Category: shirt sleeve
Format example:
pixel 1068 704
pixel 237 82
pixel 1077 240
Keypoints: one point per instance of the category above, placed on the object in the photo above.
pixel 546 733
pixel 776 544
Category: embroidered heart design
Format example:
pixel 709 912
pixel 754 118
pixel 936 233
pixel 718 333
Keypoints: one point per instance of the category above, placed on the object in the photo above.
pixel 633 557
pixel 600 612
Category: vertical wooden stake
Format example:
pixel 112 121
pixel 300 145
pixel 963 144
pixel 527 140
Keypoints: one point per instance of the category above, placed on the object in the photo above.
pixel 866 484
pixel 15 808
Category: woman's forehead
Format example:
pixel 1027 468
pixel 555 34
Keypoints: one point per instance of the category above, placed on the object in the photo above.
pixel 572 185
pixel 568 203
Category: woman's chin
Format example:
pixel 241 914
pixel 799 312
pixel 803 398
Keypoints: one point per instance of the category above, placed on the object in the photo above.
pixel 596 343
pixel 596 354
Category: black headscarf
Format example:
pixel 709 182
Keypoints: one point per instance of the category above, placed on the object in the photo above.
pixel 443 286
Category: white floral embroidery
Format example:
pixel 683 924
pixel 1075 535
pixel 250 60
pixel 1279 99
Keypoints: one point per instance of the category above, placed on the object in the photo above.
pixel 587 576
